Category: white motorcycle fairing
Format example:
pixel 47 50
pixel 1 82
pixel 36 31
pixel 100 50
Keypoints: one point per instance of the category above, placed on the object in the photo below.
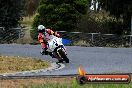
pixel 53 43
pixel 56 46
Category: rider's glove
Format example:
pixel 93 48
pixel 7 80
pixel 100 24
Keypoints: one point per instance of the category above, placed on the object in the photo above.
pixel 44 51
pixel 56 34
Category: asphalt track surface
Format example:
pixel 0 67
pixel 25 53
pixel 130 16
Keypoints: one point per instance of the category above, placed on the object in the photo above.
pixel 95 60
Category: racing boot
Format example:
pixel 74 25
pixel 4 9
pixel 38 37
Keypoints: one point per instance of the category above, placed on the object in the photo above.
pixel 60 61
pixel 51 54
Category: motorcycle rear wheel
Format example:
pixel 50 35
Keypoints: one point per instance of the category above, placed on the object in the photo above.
pixel 63 55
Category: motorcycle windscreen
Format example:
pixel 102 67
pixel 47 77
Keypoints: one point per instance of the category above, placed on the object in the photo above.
pixel 66 41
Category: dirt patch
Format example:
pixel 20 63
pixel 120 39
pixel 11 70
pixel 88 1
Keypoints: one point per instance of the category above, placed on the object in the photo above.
pixel 11 64
pixel 20 83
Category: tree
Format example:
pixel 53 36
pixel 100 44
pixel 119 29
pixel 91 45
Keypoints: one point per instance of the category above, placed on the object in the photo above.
pixel 120 9
pixel 10 13
pixel 31 7
pixel 60 14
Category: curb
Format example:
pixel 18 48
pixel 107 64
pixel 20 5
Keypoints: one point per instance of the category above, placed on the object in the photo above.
pixel 53 67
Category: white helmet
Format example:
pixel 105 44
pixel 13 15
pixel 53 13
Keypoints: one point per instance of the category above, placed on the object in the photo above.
pixel 41 28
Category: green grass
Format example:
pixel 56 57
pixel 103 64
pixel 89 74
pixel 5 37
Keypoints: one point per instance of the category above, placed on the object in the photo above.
pixel 74 84
pixel 65 82
pixel 81 43
pixel 15 64
pixel 27 21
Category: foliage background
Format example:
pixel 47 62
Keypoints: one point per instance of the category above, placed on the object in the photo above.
pixel 59 14
pixel 110 16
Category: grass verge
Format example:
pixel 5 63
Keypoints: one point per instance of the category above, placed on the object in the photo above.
pixel 81 43
pixel 10 64
pixel 55 83
pixel 74 84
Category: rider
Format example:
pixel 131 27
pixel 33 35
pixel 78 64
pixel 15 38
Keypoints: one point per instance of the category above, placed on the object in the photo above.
pixel 43 38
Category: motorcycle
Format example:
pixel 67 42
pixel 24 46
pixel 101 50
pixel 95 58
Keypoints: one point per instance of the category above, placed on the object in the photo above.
pixel 56 46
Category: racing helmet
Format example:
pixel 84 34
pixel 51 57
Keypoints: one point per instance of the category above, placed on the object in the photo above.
pixel 41 28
